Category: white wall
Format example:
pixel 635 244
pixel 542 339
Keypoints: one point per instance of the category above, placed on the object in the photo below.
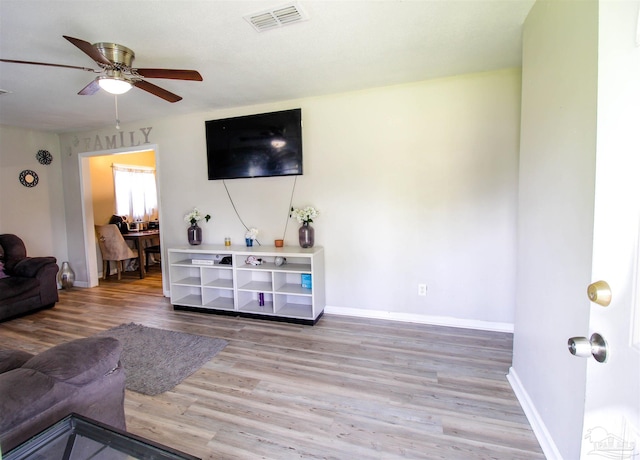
pixel 555 224
pixel 415 184
pixel 35 214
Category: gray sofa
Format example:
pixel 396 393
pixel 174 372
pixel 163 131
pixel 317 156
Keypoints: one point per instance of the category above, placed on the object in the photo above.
pixel 82 376
pixel 26 283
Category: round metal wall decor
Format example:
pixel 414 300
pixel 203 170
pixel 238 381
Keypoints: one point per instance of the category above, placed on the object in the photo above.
pixel 44 157
pixel 28 178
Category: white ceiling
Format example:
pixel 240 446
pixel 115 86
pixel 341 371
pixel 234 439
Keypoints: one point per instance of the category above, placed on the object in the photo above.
pixel 344 46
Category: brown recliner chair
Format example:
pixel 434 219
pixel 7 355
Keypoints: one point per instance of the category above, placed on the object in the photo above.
pixel 26 283
pixel 113 248
pixel 83 376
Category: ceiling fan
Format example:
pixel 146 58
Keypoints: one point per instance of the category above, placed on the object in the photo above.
pixel 117 74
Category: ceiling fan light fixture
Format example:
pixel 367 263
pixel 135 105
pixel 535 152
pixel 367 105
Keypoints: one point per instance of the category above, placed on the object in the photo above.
pixel 114 85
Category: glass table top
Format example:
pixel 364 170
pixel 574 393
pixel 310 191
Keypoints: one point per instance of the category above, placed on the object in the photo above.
pixel 79 438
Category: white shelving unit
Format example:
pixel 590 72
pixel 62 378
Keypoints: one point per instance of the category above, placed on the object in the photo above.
pixel 199 280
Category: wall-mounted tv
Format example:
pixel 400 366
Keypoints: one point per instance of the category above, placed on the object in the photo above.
pixel 262 145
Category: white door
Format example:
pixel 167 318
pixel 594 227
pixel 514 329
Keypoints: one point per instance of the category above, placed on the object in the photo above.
pixel 612 405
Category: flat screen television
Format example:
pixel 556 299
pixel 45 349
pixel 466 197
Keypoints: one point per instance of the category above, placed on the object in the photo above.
pixel 262 145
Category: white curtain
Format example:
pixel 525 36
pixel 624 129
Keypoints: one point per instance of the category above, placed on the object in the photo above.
pixel 135 188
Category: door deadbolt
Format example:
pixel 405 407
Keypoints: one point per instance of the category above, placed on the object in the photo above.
pixel 583 347
pixel 600 293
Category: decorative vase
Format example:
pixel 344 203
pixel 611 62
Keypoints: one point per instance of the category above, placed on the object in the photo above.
pixel 249 242
pixel 66 276
pixel 194 234
pixel 306 235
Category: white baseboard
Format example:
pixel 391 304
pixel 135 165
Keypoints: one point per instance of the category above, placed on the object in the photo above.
pixel 80 284
pixel 421 319
pixel 549 447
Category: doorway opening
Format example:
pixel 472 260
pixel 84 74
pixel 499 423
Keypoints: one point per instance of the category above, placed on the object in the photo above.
pixel 98 197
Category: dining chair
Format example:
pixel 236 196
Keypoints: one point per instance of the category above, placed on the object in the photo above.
pixel 113 248
pixel 155 249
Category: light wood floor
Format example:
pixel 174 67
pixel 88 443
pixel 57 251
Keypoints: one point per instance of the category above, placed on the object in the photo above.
pixel 345 388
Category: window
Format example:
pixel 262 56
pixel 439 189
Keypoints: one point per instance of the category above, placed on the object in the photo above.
pixel 135 189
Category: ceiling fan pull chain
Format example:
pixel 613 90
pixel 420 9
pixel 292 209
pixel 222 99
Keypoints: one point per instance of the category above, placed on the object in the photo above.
pixel 117 116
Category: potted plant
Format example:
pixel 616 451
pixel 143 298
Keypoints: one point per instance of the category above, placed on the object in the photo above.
pixel 250 235
pixel 306 233
pixel 194 232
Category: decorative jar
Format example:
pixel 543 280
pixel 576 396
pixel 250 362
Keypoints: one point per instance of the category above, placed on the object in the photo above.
pixel 66 276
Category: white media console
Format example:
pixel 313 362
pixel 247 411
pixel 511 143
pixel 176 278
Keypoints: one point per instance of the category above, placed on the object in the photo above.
pixel 218 279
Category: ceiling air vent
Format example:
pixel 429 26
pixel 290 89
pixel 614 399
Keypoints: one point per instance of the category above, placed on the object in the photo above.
pixel 277 17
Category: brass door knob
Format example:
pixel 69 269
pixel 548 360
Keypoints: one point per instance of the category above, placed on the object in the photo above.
pixel 600 293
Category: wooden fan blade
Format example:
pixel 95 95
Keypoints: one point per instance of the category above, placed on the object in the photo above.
pixel 13 61
pixel 157 91
pixel 173 74
pixel 91 89
pixel 90 50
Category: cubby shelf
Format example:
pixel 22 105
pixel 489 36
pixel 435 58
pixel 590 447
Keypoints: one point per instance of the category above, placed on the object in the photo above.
pixel 199 280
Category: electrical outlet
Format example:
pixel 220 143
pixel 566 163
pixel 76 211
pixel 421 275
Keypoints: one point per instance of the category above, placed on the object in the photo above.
pixel 422 289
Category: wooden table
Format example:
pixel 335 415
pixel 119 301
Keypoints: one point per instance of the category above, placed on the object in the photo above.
pixel 138 238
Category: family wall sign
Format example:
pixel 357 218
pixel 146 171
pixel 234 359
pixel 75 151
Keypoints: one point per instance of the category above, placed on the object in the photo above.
pixel 115 141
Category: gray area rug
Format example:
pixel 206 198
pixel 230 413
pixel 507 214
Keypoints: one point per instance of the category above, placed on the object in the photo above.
pixel 156 360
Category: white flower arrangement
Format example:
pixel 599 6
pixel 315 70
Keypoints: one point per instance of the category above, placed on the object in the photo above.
pixel 252 233
pixel 196 216
pixel 306 214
